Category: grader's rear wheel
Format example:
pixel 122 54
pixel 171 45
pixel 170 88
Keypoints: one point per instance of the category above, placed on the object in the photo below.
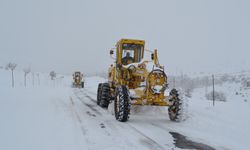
pixel 122 104
pixel 99 90
pixel 105 95
pixel 175 110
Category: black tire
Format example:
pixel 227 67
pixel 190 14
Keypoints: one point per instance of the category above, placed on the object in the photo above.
pixel 174 110
pixel 122 104
pixel 82 84
pixel 99 90
pixel 105 95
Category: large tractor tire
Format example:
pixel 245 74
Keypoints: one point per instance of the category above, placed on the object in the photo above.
pixel 175 110
pixel 105 95
pixel 122 104
pixel 99 90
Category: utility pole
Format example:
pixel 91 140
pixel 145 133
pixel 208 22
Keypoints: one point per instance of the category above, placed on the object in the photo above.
pixel 174 82
pixel 213 91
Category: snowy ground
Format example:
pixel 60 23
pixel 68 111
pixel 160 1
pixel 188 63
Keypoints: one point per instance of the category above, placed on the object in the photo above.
pixel 52 115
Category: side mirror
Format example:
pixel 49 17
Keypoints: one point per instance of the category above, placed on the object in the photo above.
pixel 111 52
pixel 152 56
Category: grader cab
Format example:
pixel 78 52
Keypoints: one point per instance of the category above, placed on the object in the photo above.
pixel 78 80
pixel 131 83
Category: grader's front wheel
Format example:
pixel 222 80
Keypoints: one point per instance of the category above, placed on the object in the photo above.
pixel 122 104
pixel 175 110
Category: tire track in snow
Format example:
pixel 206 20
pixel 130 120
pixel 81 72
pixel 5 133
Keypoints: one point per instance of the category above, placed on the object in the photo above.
pixel 94 113
pixel 103 110
pixel 77 115
pixel 93 93
pixel 152 144
pixel 80 122
pixel 88 105
pixel 89 97
pixel 145 139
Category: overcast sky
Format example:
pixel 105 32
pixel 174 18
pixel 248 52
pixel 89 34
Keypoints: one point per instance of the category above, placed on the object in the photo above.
pixel 69 35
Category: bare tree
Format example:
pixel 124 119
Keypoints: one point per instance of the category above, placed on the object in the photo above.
pixel 26 72
pixel 52 75
pixel 38 78
pixel 33 79
pixel 12 67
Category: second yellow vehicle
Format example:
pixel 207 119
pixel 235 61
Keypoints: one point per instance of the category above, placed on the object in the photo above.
pixel 78 80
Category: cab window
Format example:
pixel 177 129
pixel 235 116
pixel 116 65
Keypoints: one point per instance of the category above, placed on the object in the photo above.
pixel 131 53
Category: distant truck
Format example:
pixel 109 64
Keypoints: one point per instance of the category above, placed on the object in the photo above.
pixel 78 81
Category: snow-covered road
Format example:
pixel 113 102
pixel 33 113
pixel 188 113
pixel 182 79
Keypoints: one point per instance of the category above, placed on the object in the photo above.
pixel 65 118
pixel 101 131
pixel 58 117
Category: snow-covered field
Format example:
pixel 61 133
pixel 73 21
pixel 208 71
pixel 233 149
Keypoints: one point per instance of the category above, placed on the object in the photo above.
pixel 53 116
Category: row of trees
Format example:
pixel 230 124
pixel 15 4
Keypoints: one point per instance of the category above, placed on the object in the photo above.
pixel 12 66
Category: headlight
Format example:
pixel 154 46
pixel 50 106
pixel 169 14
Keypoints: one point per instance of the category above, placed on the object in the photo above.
pixel 132 68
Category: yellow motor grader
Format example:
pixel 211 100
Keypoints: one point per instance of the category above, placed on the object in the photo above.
pixel 78 80
pixel 131 83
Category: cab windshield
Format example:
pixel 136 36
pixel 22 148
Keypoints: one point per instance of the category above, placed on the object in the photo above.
pixel 131 53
